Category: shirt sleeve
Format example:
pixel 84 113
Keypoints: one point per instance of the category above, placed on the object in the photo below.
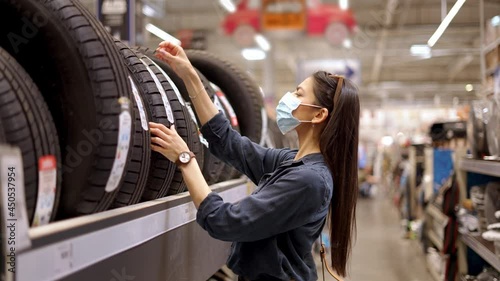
pixel 294 200
pixel 240 152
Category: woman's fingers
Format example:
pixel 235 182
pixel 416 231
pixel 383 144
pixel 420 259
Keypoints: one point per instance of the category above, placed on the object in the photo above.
pixel 164 56
pixel 160 142
pixel 159 133
pixel 171 47
pixel 157 127
pixel 167 44
pixel 156 148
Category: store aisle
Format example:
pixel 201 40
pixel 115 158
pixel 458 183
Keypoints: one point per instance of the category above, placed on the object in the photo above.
pixel 380 254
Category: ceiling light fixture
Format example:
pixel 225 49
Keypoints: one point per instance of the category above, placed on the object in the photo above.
pixel 420 50
pixel 495 21
pixel 228 5
pixel 149 11
pixel 262 42
pixel 469 88
pixel 344 4
pixel 387 141
pixel 162 34
pixel 446 21
pixel 253 54
pixel 347 43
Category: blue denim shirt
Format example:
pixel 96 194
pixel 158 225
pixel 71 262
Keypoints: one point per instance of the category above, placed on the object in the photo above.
pixel 274 228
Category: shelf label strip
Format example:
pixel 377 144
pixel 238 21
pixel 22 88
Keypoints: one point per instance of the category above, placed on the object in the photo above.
pixel 74 254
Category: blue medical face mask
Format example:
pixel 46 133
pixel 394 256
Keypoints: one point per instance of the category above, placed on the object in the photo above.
pixel 284 117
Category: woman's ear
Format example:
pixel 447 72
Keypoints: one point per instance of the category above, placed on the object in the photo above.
pixel 321 116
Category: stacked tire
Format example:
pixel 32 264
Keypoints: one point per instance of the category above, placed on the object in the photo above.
pixel 78 104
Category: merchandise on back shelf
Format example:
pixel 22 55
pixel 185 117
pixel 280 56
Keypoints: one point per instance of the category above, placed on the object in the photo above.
pixel 476 131
pixel 492 202
pixel 468 221
pixel 477 194
pixel 491 119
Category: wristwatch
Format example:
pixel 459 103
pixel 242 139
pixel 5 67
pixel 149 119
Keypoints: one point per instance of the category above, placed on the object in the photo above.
pixel 185 157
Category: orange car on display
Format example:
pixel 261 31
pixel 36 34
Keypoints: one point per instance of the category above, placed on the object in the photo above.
pixel 252 16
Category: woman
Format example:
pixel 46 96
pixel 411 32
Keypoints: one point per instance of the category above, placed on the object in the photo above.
pixel 273 229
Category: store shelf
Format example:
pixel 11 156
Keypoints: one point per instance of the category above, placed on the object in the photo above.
pixel 437 215
pixel 491 168
pixel 482 247
pixel 435 239
pixel 126 240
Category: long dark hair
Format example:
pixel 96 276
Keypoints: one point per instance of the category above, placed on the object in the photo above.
pixel 339 146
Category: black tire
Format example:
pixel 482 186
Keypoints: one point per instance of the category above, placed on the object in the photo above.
pixel 213 169
pixel 193 138
pixel 212 166
pixel 275 134
pixel 240 89
pixel 137 173
pixel 230 113
pixel 228 172
pixel 2 136
pixel 162 170
pixel 26 122
pixel 183 124
pixel 72 59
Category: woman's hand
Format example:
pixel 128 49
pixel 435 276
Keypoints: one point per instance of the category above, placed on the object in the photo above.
pixel 167 141
pixel 175 56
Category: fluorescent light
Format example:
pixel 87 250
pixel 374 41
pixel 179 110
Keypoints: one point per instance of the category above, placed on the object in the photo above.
pixel 344 4
pixel 162 34
pixel 347 43
pixel 495 21
pixel 149 11
pixel 253 54
pixel 262 42
pixel 420 50
pixel 446 21
pixel 387 140
pixel 228 5
pixel 469 87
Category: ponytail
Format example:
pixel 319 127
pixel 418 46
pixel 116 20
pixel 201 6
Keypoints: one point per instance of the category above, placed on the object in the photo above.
pixel 339 146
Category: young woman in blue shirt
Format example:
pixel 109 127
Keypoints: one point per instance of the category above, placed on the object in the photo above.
pixel 273 229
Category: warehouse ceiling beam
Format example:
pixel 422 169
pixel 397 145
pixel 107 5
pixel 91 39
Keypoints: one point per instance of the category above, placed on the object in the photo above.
pixel 458 66
pixel 382 41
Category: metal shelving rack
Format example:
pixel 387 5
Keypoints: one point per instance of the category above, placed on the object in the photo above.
pixel 154 240
pixel 491 168
pixel 483 248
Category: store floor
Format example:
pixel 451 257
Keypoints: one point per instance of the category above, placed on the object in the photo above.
pixel 380 254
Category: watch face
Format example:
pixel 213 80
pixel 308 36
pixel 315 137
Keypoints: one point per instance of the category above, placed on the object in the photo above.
pixel 184 157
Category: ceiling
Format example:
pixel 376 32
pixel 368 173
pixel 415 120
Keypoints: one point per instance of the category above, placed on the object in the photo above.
pixel 388 28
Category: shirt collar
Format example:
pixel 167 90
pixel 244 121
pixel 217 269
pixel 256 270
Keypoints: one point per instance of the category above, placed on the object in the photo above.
pixel 308 159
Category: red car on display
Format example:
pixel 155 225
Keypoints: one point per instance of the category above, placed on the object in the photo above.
pixel 321 19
